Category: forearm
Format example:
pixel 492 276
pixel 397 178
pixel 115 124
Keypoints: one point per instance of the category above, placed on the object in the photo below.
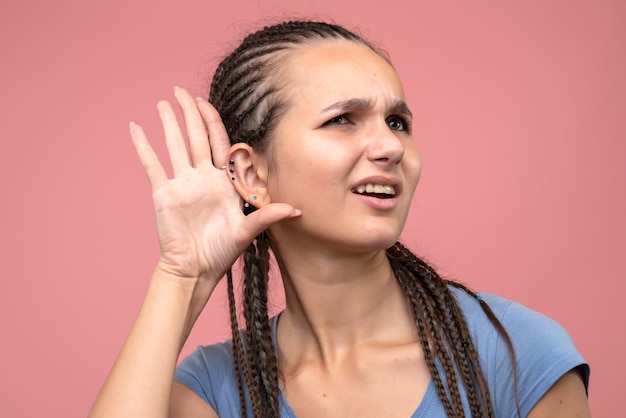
pixel 139 384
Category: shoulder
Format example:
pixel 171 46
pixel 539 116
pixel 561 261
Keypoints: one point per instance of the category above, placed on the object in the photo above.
pixel 521 323
pixel 208 371
pixel 544 351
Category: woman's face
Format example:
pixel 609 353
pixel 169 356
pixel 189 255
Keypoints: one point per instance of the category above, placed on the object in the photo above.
pixel 343 151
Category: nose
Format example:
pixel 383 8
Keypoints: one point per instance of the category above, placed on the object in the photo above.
pixel 385 147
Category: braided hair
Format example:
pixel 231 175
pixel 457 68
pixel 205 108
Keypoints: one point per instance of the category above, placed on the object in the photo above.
pixel 246 92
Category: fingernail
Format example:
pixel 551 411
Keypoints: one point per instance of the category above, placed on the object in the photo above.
pixel 131 124
pixel 297 212
pixel 199 99
pixel 176 87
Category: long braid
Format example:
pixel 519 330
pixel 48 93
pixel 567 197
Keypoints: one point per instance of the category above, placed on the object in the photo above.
pixel 459 335
pixel 427 329
pixel 406 265
pixel 498 325
pixel 425 312
pixel 238 353
pixel 453 330
pixel 267 354
pixel 259 345
pixel 451 326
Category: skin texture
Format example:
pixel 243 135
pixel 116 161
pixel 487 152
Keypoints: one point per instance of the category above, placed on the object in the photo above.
pixel 566 398
pixel 324 147
pixel 348 345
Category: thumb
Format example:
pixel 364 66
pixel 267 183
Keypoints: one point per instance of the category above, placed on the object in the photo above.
pixel 264 217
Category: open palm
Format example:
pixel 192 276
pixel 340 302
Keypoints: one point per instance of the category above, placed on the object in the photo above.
pixel 201 227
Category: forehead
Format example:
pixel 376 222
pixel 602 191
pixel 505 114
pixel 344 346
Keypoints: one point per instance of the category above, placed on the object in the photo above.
pixel 329 71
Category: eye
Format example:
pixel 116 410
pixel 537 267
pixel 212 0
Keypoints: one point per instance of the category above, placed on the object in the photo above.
pixel 338 120
pixel 396 123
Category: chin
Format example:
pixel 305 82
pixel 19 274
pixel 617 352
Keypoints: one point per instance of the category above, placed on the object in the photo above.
pixel 381 236
pixel 378 243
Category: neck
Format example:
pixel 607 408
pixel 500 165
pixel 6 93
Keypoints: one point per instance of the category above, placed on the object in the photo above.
pixel 335 304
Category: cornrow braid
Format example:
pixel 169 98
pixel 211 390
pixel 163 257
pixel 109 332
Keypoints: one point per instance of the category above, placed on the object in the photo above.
pixel 245 88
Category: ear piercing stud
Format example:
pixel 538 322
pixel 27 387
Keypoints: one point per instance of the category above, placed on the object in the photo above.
pixel 246 204
pixel 231 170
pixel 231 163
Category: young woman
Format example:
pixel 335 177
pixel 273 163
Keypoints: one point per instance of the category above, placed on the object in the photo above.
pixel 316 149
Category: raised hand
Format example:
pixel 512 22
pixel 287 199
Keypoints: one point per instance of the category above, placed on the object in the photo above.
pixel 201 227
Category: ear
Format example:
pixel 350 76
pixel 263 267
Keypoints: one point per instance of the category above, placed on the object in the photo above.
pixel 248 172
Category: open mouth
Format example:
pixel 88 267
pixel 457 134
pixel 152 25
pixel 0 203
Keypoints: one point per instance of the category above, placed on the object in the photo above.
pixel 380 191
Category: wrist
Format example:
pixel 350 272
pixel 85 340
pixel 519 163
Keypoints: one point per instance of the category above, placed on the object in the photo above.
pixel 170 272
pixel 165 273
pixel 184 296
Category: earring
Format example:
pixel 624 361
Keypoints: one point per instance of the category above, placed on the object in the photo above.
pixel 232 170
pixel 246 204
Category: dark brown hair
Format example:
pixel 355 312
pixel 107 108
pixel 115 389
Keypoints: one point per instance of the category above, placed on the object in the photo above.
pixel 247 94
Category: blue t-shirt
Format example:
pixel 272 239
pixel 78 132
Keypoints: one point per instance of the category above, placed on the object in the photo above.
pixel 543 349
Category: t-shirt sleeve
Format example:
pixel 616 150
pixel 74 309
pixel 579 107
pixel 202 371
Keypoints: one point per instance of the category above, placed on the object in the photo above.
pixel 206 371
pixel 544 353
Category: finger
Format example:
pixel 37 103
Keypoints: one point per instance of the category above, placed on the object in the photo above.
pixel 199 148
pixel 173 137
pixel 218 138
pixel 264 217
pixel 147 157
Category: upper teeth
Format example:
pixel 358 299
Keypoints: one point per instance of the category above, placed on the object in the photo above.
pixel 376 188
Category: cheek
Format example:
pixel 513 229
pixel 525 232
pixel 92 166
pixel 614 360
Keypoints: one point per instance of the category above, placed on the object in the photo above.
pixel 291 175
pixel 308 176
pixel 413 164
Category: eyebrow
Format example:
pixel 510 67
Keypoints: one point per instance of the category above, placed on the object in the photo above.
pixel 398 105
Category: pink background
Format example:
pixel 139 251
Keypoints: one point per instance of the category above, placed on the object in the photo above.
pixel 520 116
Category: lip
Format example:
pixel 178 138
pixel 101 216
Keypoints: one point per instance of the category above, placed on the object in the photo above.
pixel 375 202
